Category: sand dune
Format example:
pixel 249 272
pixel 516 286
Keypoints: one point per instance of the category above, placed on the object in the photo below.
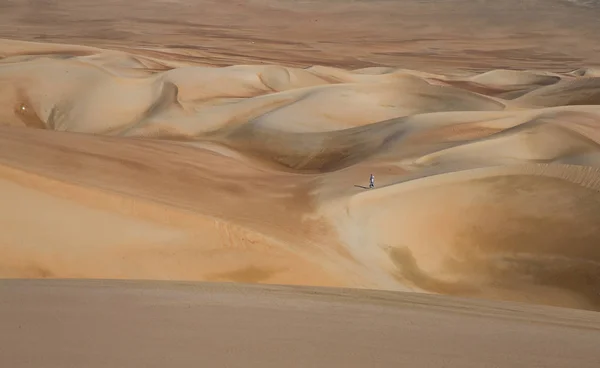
pixel 164 155
pixel 256 173
pixel 572 92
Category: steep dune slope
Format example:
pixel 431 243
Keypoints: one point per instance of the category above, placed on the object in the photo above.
pixel 522 232
pixel 218 224
pixel 570 92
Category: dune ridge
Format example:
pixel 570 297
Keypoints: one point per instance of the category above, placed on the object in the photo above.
pixel 487 184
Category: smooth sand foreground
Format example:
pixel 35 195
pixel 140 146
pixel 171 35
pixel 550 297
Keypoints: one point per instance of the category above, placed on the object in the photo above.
pixel 166 324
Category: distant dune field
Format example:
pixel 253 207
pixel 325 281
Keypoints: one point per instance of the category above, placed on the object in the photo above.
pixel 431 35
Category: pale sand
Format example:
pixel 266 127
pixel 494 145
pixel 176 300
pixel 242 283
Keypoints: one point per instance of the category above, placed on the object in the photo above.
pixel 254 174
pixel 125 162
pixel 155 324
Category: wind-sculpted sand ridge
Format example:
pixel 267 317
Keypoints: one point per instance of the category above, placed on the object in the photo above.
pixel 125 165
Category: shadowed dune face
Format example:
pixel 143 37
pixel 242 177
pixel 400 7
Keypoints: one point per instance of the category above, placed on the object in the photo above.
pixel 146 163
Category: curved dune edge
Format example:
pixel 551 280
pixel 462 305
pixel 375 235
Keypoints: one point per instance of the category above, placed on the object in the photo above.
pixel 117 164
pixel 484 244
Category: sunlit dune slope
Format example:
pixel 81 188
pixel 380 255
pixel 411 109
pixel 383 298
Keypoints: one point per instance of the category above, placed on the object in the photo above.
pixel 116 164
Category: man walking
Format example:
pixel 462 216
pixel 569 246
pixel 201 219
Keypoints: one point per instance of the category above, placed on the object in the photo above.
pixel 372 182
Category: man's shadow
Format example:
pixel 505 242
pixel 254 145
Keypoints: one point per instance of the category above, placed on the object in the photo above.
pixel 360 186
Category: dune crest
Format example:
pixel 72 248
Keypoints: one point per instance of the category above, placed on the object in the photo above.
pixel 487 184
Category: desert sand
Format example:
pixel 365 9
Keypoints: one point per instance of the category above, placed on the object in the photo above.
pixel 232 142
pixel 179 324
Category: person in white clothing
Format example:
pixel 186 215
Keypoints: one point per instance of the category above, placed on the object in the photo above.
pixel 372 182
